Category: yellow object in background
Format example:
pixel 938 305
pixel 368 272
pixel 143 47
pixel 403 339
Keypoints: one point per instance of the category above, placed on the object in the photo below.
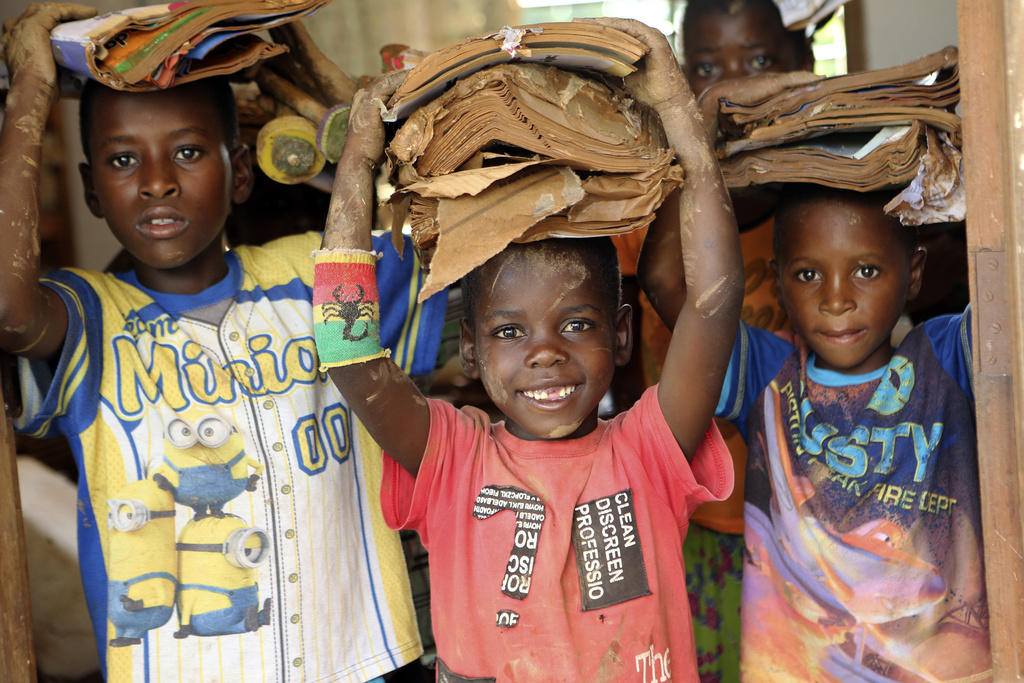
pixel 286 150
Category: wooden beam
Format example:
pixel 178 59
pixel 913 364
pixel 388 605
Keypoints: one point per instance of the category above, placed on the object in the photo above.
pixel 856 59
pixel 990 59
pixel 17 658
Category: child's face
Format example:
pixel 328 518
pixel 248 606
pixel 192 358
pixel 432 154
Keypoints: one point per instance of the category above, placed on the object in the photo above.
pixel 719 46
pixel 844 278
pixel 545 342
pixel 162 177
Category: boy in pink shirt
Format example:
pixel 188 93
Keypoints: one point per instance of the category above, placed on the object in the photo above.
pixel 555 538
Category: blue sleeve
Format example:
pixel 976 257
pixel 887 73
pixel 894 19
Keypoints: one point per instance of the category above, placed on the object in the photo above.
pixel 950 337
pixel 66 400
pixel 757 356
pixel 410 329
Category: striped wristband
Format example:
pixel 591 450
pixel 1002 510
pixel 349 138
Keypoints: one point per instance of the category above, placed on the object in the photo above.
pixel 346 307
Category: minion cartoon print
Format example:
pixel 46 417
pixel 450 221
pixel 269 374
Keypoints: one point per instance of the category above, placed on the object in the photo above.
pixel 205 465
pixel 143 570
pixel 208 566
pixel 218 559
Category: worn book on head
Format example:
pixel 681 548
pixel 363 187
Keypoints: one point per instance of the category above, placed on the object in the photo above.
pixel 890 128
pixel 158 46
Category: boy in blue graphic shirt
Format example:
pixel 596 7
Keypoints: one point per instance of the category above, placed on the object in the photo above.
pixel 863 555
pixel 229 521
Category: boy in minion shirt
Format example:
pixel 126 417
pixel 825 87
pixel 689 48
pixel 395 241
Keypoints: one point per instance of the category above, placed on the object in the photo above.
pixel 864 557
pixel 188 387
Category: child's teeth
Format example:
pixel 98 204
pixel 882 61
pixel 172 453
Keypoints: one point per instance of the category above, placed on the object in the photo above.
pixel 545 394
pixel 162 221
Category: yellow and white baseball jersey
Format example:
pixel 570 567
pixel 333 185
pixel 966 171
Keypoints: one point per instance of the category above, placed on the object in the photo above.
pixel 229 523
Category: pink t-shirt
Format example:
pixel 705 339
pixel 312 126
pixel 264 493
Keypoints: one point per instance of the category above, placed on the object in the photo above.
pixel 558 560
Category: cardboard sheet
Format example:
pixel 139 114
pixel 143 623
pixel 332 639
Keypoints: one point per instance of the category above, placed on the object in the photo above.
pixel 507 210
pixel 567 45
pixel 543 110
pixel 863 131
pixel 521 152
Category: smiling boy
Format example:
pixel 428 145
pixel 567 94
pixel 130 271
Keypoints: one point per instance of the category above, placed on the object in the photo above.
pixel 222 478
pixel 862 525
pixel 555 538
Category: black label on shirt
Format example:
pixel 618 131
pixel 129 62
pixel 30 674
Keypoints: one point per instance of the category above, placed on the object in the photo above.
pixel 506 618
pixel 446 675
pixel 609 559
pixel 530 515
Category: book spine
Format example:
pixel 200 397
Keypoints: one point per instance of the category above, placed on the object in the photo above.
pixel 74 56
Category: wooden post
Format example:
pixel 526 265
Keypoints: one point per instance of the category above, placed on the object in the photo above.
pixel 17 658
pixel 991 57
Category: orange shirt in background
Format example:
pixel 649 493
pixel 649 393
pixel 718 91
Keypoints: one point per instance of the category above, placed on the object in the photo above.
pixel 760 309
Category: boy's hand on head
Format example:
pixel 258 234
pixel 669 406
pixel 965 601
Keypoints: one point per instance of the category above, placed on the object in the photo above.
pixel 365 125
pixel 659 80
pixel 350 217
pixel 696 276
pixel 26 40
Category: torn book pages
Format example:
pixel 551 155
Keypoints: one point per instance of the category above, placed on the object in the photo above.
pixel 569 45
pixel 864 131
pixel 159 46
pixel 477 167
pixel 936 194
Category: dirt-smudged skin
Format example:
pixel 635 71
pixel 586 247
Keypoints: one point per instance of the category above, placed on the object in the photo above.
pixel 385 376
pixel 30 318
pixel 544 332
pixel 350 214
pixel 532 295
pixel 711 300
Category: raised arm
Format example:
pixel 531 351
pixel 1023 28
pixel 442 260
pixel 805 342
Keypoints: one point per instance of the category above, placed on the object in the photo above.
pixel 386 400
pixel 712 291
pixel 33 320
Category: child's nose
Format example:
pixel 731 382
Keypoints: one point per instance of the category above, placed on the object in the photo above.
pixel 836 298
pixel 545 352
pixel 158 181
pixel 733 67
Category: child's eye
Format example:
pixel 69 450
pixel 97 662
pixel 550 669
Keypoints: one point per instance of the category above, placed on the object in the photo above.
pixel 577 326
pixel 188 154
pixel 806 275
pixel 867 272
pixel 508 332
pixel 122 161
pixel 761 62
pixel 704 69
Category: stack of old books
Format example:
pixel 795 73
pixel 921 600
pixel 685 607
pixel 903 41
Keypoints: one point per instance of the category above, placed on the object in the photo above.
pixel 890 128
pixel 518 150
pixel 158 46
pixel 294 111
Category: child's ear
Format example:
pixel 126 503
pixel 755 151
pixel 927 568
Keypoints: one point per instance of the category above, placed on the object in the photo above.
pixel 917 260
pixel 467 349
pixel 91 200
pixel 623 335
pixel 242 178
